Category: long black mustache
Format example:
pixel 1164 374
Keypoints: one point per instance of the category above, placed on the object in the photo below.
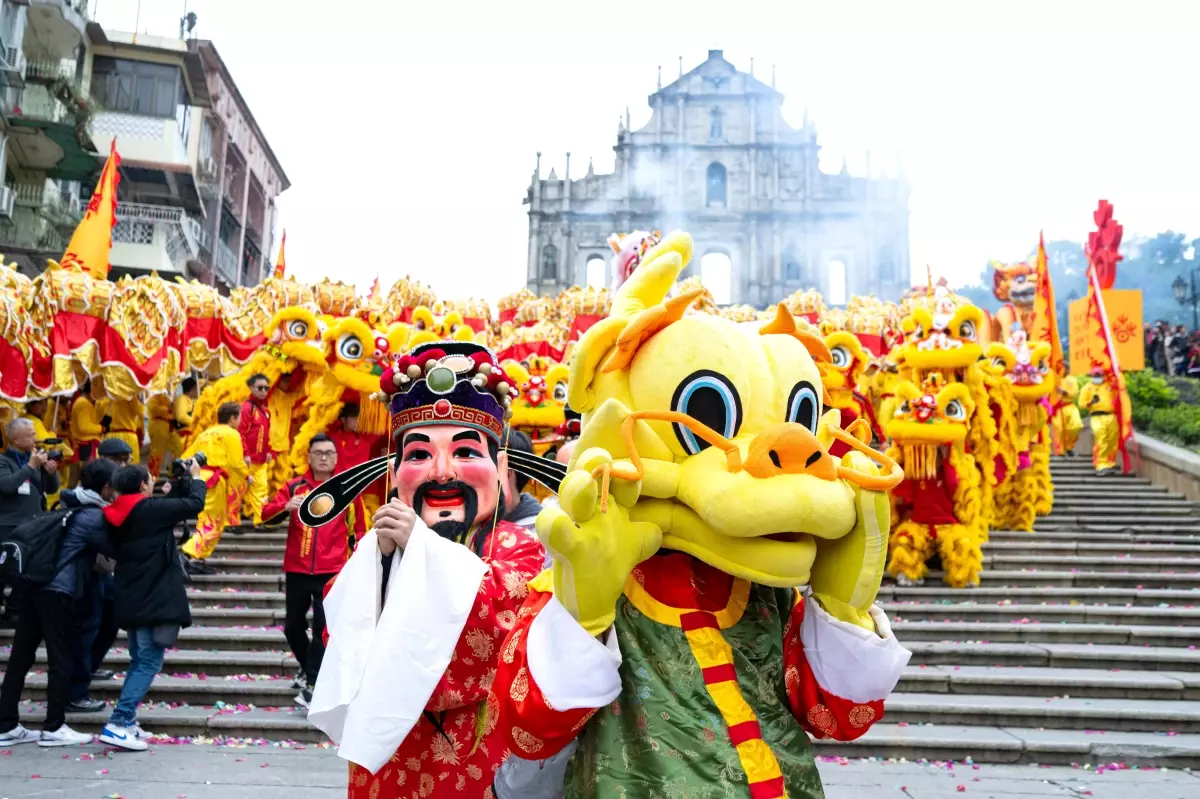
pixel 450 529
pixel 338 493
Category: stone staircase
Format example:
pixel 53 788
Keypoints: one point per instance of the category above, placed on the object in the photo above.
pixel 1080 646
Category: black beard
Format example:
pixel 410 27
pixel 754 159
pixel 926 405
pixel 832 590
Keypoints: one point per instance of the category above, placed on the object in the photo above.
pixel 450 530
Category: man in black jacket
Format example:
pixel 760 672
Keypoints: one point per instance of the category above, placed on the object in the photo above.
pixel 27 475
pixel 49 614
pixel 149 594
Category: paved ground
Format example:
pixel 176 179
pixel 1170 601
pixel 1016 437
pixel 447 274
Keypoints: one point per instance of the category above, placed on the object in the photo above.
pixel 272 772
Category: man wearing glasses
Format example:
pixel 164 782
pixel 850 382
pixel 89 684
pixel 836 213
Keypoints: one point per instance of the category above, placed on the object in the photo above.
pixel 312 558
pixel 256 445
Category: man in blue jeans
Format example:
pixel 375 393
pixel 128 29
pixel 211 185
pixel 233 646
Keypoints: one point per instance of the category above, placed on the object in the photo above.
pixel 149 597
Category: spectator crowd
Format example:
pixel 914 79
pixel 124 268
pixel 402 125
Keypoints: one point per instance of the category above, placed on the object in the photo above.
pixel 1172 350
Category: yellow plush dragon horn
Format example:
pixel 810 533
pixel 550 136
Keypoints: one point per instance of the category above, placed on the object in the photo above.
pixel 650 282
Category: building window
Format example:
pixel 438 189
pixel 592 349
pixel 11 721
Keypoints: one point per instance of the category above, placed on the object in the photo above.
pixel 716 184
pixel 792 271
pixel 716 274
pixel 137 87
pixel 715 124
pixel 885 263
pixel 549 262
pixel 597 272
pixel 837 283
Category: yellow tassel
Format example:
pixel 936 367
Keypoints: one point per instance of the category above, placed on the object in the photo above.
pixel 373 415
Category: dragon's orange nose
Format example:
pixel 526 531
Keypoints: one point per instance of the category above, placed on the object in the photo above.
pixel 789 449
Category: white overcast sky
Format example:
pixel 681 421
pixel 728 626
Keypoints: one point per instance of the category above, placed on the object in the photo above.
pixel 409 128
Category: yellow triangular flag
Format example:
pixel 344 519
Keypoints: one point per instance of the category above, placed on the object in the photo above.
pixel 90 244
pixel 280 263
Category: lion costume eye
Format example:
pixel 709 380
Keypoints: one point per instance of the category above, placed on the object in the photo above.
pixel 560 392
pixel 297 328
pixel 999 363
pixel 709 398
pixel 955 410
pixel 349 348
pixel 803 407
pixel 840 357
pixel 904 408
pixel 967 330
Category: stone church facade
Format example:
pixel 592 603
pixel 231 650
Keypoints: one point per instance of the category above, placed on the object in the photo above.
pixel 718 160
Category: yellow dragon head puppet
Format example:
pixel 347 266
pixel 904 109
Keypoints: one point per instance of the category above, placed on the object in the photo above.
pixel 715 434
pixel 539 408
pixel 437 324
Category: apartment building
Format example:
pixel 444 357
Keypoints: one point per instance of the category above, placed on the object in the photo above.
pixel 198 188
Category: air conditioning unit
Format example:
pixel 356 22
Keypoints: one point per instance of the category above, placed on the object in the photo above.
pixel 6 202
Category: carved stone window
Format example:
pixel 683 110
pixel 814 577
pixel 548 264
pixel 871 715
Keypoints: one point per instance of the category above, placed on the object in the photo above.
pixel 549 262
pixel 715 185
pixel 716 127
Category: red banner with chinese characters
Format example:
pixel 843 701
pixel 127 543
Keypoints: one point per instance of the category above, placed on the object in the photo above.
pixel 1045 317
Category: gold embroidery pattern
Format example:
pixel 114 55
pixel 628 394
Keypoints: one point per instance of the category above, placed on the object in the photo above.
pixel 820 718
pixel 861 716
pixel 506 619
pixel 510 649
pixel 480 643
pixel 527 743
pixel 520 686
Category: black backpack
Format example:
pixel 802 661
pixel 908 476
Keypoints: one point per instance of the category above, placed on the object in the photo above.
pixel 28 553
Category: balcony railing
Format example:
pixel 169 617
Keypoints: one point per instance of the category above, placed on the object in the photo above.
pixel 50 202
pixel 50 69
pixel 227 264
pixel 159 225
pixel 29 230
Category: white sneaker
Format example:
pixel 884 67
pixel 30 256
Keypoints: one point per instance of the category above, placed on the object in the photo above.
pixel 64 736
pixel 125 737
pixel 18 735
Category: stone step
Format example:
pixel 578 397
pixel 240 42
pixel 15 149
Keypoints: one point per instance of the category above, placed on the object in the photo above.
pixel 1094 563
pixel 984 744
pixel 192 690
pixel 1128 715
pixel 1088 528
pixel 238 582
pixel 237 617
pixel 1097 536
pixel 1040 614
pixel 1109 507
pixel 1063 656
pixel 1002 632
pixel 1119 515
pixel 1039 681
pixel 198 661
pixel 239 549
pixel 234 599
pixel 1083 579
pixel 1153 492
pixel 1116 482
pixel 254 565
pixel 272 723
pixel 255 538
pixel 935 592
pixel 1035 545
pixel 223 640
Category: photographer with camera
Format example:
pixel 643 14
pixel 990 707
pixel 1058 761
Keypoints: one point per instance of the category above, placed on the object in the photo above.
pixel 150 597
pixel 56 577
pixel 224 469
pixel 27 475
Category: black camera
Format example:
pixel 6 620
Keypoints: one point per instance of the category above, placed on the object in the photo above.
pixel 181 467
pixel 54 455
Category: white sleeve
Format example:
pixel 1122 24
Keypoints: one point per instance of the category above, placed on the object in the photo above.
pixel 571 668
pixel 849 662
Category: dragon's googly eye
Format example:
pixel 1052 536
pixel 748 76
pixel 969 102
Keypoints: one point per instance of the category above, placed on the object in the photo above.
pixel 803 406
pixel 560 392
pixel 999 362
pixel 840 357
pixel 904 407
pixel 709 398
pixel 967 330
pixel 349 348
pixel 297 328
pixel 955 410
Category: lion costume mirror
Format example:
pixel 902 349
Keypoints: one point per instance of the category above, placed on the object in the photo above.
pixel 714 567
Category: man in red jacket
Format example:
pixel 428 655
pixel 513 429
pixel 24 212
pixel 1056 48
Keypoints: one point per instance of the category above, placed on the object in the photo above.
pixel 312 558
pixel 356 448
pixel 256 444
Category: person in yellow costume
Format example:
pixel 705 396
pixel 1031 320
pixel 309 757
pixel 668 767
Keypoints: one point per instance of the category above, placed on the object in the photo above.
pixel 161 413
pixel 181 415
pixel 126 422
pixel 1066 422
pixel 85 430
pixel 1097 398
pixel 224 473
